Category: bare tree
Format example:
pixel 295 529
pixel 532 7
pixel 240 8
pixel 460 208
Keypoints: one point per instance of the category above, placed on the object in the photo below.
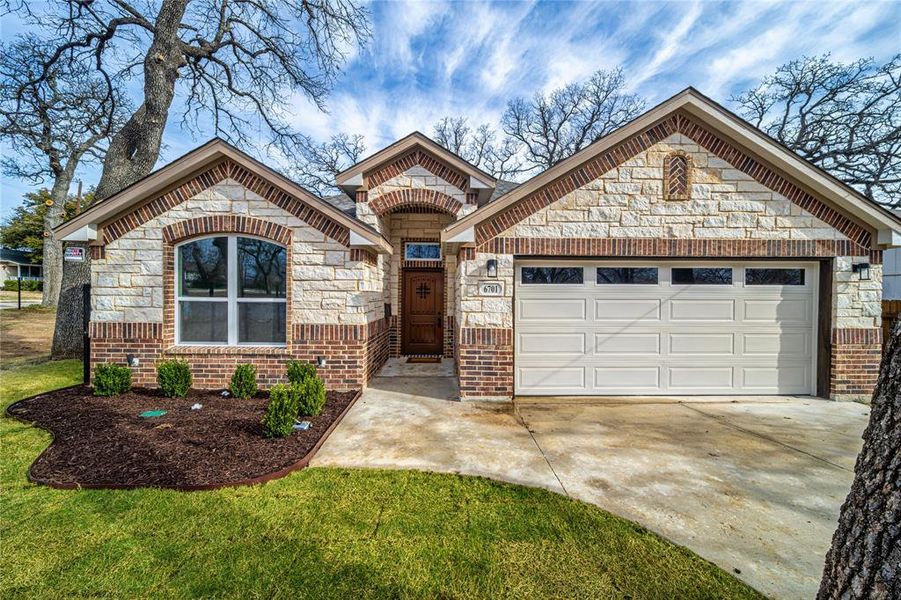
pixel 236 63
pixel 554 126
pixel 239 62
pixel 52 126
pixel 479 146
pixel 315 165
pixel 865 558
pixel 843 117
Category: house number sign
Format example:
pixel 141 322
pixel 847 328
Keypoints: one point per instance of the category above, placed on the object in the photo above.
pixel 491 288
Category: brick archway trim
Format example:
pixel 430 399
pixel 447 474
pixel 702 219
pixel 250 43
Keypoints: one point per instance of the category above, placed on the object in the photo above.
pixel 183 230
pixel 411 159
pixel 412 197
pixel 218 172
pixel 678 122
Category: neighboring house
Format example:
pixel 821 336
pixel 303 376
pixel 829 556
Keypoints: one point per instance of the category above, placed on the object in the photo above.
pixel 891 289
pixel 16 263
pixel 685 253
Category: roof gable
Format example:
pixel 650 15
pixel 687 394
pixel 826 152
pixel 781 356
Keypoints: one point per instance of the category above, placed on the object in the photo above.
pixel 718 131
pixel 416 149
pixel 200 169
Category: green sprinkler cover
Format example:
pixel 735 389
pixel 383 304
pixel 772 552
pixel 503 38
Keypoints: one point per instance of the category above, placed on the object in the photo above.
pixel 152 413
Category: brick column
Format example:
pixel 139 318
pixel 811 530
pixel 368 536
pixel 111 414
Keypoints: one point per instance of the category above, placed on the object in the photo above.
pixel 856 354
pixel 485 363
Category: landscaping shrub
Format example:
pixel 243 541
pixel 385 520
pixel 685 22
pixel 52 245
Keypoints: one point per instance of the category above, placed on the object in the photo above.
pixel 244 382
pixel 174 377
pixel 28 285
pixel 311 397
pixel 111 380
pixel 299 372
pixel 281 411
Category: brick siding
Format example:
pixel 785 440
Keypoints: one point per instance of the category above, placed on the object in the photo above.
pixel 485 363
pixel 856 355
pixel 397 200
pixel 353 353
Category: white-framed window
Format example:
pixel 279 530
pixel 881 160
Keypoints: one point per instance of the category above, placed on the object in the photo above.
pixel 231 290
pixel 422 251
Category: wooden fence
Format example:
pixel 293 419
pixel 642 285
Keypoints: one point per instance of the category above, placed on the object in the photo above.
pixel 891 311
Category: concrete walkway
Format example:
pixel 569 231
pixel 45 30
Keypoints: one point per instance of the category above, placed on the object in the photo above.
pixel 754 486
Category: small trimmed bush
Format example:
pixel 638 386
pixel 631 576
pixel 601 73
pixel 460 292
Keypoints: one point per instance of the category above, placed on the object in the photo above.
pixel 281 412
pixel 28 285
pixel 299 372
pixel 244 382
pixel 111 380
pixel 311 397
pixel 174 377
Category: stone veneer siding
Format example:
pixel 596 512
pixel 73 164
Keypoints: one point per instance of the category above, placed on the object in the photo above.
pixel 615 207
pixel 412 199
pixel 335 300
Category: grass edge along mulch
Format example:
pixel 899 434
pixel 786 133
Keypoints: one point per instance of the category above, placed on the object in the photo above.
pixel 323 533
pixel 103 443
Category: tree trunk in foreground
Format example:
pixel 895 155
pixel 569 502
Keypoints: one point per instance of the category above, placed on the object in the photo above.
pixel 865 558
pixel 68 339
pixel 52 263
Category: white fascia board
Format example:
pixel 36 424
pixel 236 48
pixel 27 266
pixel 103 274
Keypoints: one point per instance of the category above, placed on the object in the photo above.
pixel 478 184
pixel 358 241
pixel 88 233
pixel 889 237
pixel 465 236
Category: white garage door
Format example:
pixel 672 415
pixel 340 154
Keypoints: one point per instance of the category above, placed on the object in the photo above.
pixel 593 328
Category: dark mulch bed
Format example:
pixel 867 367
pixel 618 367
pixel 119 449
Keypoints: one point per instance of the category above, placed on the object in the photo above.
pixel 103 442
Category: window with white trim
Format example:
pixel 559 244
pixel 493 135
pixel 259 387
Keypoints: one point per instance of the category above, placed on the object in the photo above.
pixel 232 290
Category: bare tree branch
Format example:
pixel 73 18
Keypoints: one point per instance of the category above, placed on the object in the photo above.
pixel 552 127
pixel 843 117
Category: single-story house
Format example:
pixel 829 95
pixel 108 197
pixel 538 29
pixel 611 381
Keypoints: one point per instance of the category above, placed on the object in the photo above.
pixel 684 253
pixel 18 263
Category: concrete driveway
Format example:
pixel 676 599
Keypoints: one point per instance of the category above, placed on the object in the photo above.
pixel 753 485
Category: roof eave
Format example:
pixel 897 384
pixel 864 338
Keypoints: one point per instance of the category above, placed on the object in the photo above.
pixel 183 167
pixel 883 223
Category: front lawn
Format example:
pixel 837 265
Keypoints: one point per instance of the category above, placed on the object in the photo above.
pixel 322 533
pixel 26 335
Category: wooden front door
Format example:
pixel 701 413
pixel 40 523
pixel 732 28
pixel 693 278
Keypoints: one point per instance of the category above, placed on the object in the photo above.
pixel 423 312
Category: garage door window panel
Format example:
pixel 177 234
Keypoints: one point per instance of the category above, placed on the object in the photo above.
pixel 702 276
pixel 767 276
pixel 627 276
pixel 552 275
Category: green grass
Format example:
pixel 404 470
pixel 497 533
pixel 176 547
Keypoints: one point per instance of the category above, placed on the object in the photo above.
pixel 322 533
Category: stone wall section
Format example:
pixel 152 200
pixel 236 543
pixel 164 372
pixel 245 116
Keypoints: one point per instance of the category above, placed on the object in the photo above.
pixel 327 286
pixel 623 212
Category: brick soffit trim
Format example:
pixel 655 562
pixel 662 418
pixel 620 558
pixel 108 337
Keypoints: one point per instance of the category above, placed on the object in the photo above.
pixel 397 200
pixel 415 157
pixel 684 247
pixel 678 122
pixel 209 177
pixel 226 224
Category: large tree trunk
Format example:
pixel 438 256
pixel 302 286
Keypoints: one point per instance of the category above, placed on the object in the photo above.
pixel 53 249
pixel 865 558
pixel 131 155
pixel 68 340
pixel 136 147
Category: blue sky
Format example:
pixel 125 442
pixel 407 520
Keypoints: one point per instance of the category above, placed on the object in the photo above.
pixel 430 59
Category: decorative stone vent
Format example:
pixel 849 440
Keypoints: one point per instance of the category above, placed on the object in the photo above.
pixel 677 177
